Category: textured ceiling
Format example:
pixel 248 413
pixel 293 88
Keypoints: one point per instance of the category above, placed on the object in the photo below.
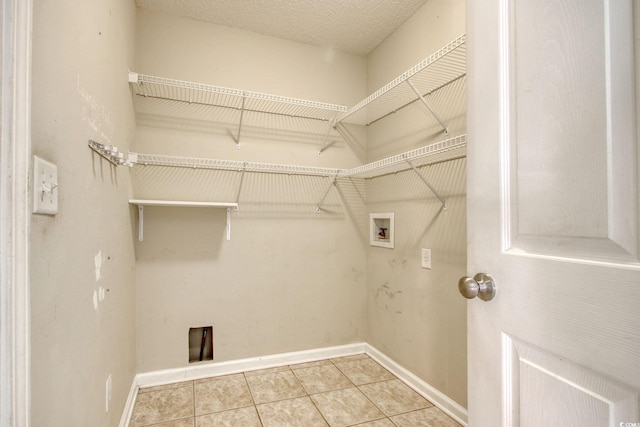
pixel 352 26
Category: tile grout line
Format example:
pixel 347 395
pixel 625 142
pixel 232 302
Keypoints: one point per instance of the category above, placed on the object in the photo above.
pixel 253 400
pixel 309 394
pixel 357 387
pixel 193 390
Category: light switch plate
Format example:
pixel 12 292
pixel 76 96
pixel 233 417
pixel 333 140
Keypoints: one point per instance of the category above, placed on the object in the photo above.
pixel 44 187
pixel 426 258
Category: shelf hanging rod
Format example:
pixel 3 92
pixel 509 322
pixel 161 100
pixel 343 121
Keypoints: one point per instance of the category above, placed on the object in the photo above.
pixel 424 101
pixel 326 193
pixel 438 196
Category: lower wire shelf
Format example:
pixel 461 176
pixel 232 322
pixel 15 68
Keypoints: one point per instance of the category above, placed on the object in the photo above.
pixel 445 150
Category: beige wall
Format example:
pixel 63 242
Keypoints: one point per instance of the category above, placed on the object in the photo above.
pixel 416 315
pixel 81 53
pixel 289 279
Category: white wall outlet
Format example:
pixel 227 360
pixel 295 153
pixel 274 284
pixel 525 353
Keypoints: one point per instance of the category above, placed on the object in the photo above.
pixel 108 386
pixel 44 187
pixel 426 258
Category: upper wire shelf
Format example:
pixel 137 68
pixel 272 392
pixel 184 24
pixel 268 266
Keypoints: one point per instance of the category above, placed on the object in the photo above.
pixel 446 65
pixel 241 100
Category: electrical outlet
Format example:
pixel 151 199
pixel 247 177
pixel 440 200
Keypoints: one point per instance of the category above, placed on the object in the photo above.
pixel 44 187
pixel 107 387
pixel 426 258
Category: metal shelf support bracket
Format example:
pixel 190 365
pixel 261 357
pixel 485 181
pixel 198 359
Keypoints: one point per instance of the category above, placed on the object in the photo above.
pixel 244 169
pixel 424 101
pixel 332 124
pixel 140 223
pixel 438 196
pixel 240 122
pixel 326 193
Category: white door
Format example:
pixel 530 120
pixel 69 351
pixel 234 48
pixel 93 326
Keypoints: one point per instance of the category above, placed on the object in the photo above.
pixel 553 216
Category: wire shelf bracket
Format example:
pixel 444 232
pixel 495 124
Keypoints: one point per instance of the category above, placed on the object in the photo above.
pixel 240 122
pixel 326 193
pixel 424 101
pixel 244 169
pixel 332 125
pixel 433 190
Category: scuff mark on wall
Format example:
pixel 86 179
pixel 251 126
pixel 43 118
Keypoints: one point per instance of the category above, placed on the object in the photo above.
pixel 395 262
pixel 357 274
pixel 99 294
pixel 98 261
pixel 384 294
pixel 95 114
pixel 385 290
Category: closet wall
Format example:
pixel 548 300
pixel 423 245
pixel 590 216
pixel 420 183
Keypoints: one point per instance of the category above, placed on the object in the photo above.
pixel 82 260
pixel 289 279
pixel 416 315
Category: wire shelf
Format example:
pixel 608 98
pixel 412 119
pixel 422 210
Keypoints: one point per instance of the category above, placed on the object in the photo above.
pixel 446 65
pixel 400 162
pixel 391 164
pixel 146 86
pixel 234 165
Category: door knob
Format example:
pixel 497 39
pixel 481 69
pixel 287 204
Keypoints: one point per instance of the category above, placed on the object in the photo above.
pixel 481 286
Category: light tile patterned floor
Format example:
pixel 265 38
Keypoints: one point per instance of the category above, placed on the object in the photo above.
pixel 348 391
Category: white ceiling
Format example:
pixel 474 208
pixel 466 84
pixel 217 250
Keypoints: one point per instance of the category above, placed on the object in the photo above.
pixel 352 26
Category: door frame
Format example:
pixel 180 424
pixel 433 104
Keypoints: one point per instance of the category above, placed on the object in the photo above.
pixel 15 147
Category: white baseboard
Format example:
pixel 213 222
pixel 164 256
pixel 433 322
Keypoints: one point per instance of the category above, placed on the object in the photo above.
pixel 442 401
pixel 130 403
pixel 205 370
pixel 194 372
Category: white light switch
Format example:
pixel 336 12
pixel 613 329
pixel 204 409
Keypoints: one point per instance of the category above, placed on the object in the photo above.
pixel 44 187
pixel 426 258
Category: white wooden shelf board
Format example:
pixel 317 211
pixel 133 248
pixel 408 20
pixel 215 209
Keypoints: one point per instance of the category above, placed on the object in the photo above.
pixel 178 203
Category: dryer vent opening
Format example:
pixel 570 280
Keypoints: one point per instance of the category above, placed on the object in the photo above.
pixel 200 344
